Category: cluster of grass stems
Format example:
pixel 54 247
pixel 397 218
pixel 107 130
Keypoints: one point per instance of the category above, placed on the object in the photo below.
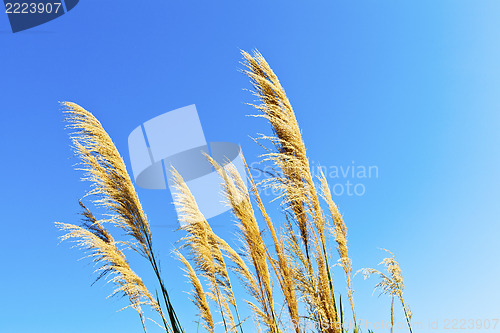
pixel 289 269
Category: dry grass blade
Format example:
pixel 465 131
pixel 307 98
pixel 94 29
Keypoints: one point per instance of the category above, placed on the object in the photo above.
pixel 250 282
pixel 295 182
pixel 282 268
pixel 203 248
pixel 290 157
pixel 238 198
pixel 199 298
pixel 339 232
pixel 105 169
pixel 111 261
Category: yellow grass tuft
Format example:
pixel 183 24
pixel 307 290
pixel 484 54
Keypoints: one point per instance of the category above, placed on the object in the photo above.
pixel 391 284
pixel 111 261
pixel 300 197
pixel 112 189
pixel 104 167
pixel 238 198
pixel 199 298
pixel 204 249
pixel 296 255
pixel 339 232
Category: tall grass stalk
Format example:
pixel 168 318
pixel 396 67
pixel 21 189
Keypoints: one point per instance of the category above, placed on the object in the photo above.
pixel 112 189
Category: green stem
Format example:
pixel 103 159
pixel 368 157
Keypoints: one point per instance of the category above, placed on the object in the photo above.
pixel 174 321
pixel 238 316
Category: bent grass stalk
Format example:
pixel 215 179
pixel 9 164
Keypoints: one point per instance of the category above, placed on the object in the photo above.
pixel 92 237
pixel 339 231
pixel 112 189
pixel 204 250
pixel 199 297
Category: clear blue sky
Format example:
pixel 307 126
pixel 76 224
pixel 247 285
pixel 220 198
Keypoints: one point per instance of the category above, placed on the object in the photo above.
pixel 411 87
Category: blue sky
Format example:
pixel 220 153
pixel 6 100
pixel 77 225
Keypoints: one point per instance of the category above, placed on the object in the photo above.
pixel 409 87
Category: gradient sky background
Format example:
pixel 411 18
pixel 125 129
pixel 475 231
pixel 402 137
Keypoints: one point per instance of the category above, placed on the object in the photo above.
pixel 411 87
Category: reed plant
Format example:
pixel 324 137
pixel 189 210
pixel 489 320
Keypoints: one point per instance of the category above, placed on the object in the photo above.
pixel 283 262
pixel 391 284
pixel 112 190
